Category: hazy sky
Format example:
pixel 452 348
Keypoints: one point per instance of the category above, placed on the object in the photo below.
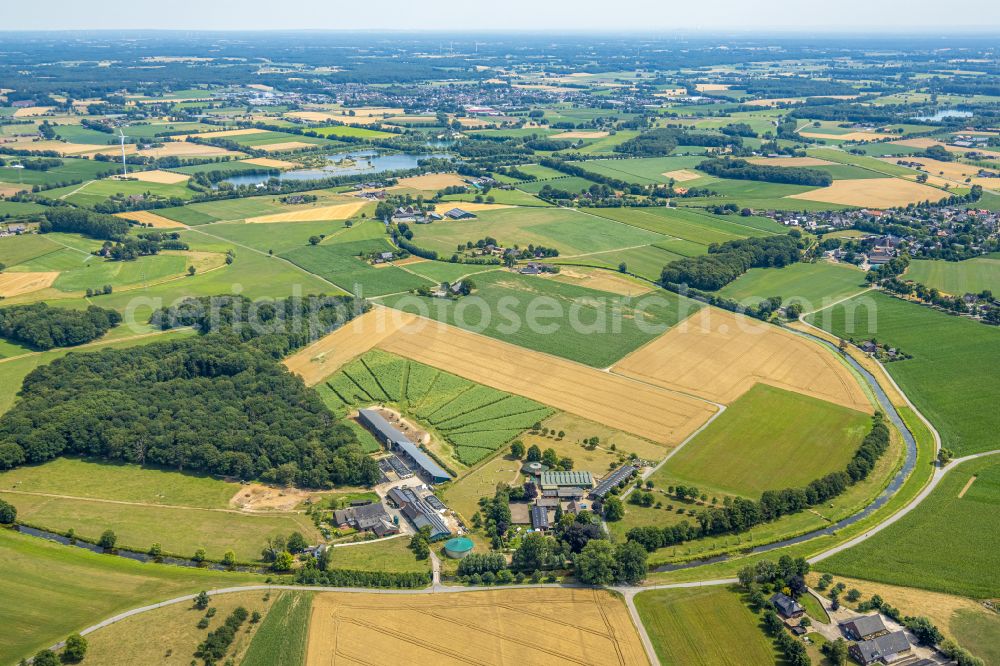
pixel 546 15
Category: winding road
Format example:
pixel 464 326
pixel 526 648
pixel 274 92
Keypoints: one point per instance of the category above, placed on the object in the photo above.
pixel 629 592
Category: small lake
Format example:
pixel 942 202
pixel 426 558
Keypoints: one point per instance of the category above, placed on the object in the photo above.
pixel 944 114
pixel 361 161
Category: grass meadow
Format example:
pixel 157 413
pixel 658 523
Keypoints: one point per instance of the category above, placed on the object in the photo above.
pixel 708 626
pixel 948 543
pixel 955 370
pixel 958 277
pixel 812 284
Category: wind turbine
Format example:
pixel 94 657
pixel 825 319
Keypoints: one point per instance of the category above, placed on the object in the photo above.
pixel 124 167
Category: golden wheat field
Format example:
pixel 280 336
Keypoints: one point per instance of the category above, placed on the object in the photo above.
pixel 873 193
pixel 340 211
pixel 720 356
pixel 325 356
pixel 158 176
pixel 662 416
pixel 15 284
pixel 185 149
pixel 581 134
pixel 152 219
pixel 286 145
pixel 515 627
pixel 432 181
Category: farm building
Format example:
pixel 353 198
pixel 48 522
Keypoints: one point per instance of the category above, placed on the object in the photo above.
pixel 612 480
pixel 884 649
pixel 419 512
pixel 393 439
pixel 540 517
pixel 555 480
pixel 787 606
pixel 459 214
pixel 367 517
pixel 864 627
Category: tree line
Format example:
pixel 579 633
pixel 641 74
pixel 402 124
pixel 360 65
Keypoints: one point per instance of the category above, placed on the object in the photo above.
pixel 726 262
pixel 739 169
pixel 43 327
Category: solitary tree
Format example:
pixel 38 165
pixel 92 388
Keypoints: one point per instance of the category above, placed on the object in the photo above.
pixel 107 540
pixel 229 559
pixel 76 648
pixel 517 449
pixel 201 600
pixel 8 512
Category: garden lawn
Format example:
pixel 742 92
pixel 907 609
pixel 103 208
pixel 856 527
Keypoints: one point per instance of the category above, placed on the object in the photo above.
pixel 392 555
pixel 768 439
pixel 964 530
pixel 577 323
pixel 708 625
pixel 954 375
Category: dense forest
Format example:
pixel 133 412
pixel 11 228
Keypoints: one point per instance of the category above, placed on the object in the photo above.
pixel 88 223
pixel 724 263
pixel 743 170
pixel 43 327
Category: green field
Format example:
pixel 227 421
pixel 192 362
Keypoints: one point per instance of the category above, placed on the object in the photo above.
pixel 646 262
pixel 340 263
pixel 709 626
pixel 565 320
pixel 767 439
pixel 97 191
pixel 979 633
pixel 958 277
pixel 70 171
pixel 50 590
pixel 955 370
pixel 691 225
pixel 473 420
pixel 814 285
pixel 19 249
pixel 19 209
pixel 646 170
pixel 225 209
pixel 946 544
pixel 228 166
pixel 144 506
pixel 569 231
pixel 565 183
pixel 351 131
pixel 390 555
pixel 506 197
pixel 281 638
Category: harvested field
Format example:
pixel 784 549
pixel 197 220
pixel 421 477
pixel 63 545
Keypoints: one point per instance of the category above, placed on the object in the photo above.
pixel 223 133
pixel 30 111
pixel 711 87
pixel 9 190
pixel 15 284
pixel 272 163
pixel 61 147
pixel 681 175
pixel 580 134
pixel 923 142
pixel 432 181
pixel 285 145
pixel 774 101
pixel 849 136
pixel 957 172
pixel 325 356
pixel 544 626
pixel 654 413
pixel 873 193
pixel 602 280
pixel 340 211
pixel 157 176
pixel 185 149
pixel 152 219
pixel 720 355
pixel 789 161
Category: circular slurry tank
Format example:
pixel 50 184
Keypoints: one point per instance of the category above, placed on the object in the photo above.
pixel 458 547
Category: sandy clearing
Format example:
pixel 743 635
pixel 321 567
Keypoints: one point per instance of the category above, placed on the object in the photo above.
pixel 258 497
pixel 580 134
pixel 790 161
pixel 9 189
pixel 157 176
pixel 681 175
pixel 151 219
pixel 272 163
pixel 284 145
pixel 720 355
pixel 186 149
pixel 849 136
pixel 966 487
pixel 873 193
pixel 340 211
pixel 30 111
pixel 659 415
pixel 500 627
pixel 15 284
pixel 325 356
pixel 432 181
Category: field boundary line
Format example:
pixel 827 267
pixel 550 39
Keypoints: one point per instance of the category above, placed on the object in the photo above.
pixel 966 487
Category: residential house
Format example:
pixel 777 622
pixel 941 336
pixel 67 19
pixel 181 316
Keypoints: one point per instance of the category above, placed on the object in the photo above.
pixel 883 649
pixel 786 606
pixel 864 627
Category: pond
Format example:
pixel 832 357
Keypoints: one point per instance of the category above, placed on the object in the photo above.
pixel 344 164
pixel 944 114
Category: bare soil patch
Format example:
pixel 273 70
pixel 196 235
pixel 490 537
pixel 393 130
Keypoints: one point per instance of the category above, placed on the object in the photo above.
pixel 681 175
pixel 602 280
pixel 966 487
pixel 258 497
pixel 9 189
